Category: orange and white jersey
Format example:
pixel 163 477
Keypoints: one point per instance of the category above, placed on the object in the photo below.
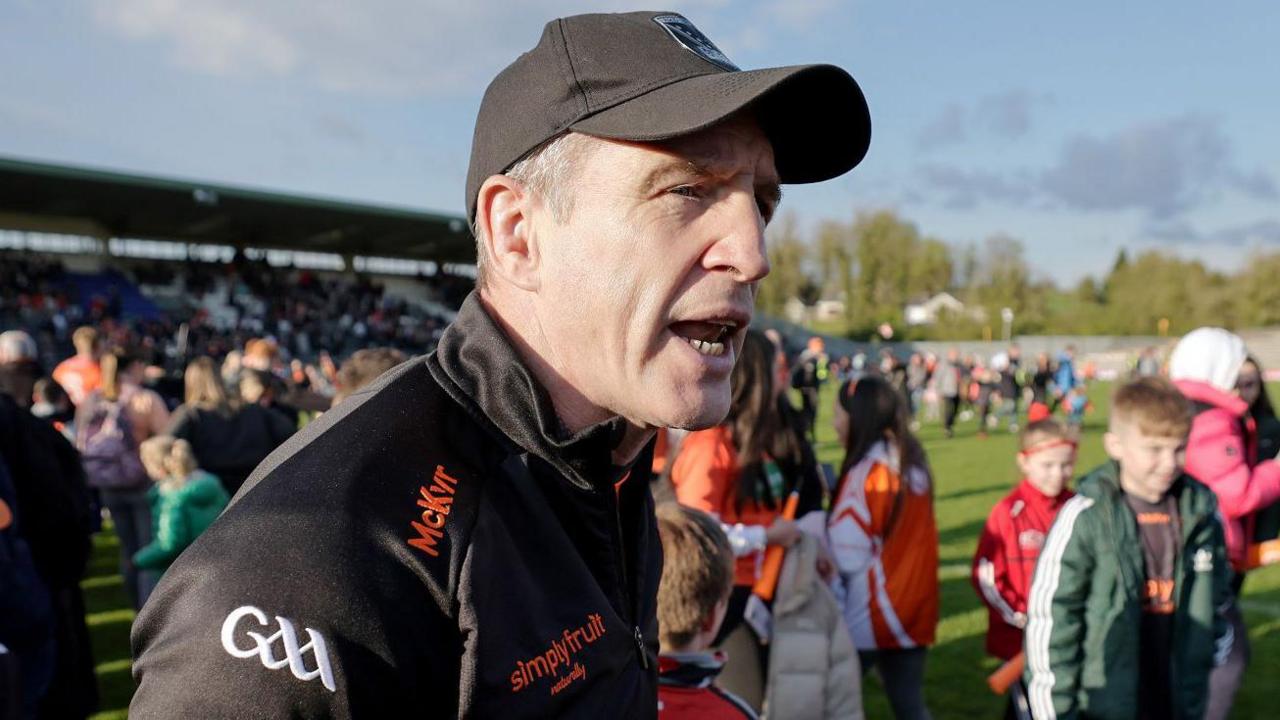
pixel 889 581
pixel 78 376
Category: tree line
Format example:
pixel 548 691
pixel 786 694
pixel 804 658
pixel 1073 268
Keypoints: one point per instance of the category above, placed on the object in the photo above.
pixel 880 262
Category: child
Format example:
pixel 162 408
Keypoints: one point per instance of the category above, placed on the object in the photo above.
pixel 697 575
pixel 1123 618
pixel 1222 453
pixel 884 539
pixel 1076 404
pixel 1015 532
pixel 184 501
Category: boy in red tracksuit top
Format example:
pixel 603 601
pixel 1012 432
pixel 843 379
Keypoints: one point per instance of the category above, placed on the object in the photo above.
pixel 1006 558
pixel 697 575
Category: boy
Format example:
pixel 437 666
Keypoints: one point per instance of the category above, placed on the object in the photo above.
pixel 697 575
pixel 1015 533
pixel 1123 619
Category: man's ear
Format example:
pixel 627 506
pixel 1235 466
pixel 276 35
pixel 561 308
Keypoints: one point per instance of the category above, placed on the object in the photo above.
pixel 503 218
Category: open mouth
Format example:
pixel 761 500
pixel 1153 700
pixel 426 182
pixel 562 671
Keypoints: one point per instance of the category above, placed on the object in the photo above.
pixel 708 337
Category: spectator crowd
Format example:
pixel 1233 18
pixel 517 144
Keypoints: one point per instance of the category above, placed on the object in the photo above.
pixel 786 581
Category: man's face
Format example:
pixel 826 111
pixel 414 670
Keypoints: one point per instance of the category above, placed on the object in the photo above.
pixel 1148 463
pixel 646 288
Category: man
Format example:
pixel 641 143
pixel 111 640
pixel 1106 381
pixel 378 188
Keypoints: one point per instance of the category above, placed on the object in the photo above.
pixel 947 384
pixel 472 535
pixel 19 366
pixel 52 501
pixel 810 372
pixel 1010 386
pixel 1064 378
pixel 79 374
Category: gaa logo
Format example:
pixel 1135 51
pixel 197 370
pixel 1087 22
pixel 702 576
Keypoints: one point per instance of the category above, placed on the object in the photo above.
pixel 264 646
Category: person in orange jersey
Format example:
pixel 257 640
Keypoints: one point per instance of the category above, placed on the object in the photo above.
pixel 884 540
pixel 79 374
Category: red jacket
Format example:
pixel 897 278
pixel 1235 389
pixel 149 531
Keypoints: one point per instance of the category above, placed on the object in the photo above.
pixel 686 689
pixel 1220 454
pixel 1006 560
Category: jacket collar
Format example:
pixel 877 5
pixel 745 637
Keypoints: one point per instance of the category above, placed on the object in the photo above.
pixel 1203 392
pixel 691 670
pixel 1194 499
pixel 886 454
pixel 477 365
pixel 1031 494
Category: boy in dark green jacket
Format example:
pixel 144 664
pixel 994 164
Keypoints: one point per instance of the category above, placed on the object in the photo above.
pixel 1123 616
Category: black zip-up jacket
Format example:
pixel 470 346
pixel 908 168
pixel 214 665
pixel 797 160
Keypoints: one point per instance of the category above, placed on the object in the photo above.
pixel 435 546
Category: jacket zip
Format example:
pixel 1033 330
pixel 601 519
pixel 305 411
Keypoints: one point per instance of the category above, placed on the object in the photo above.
pixel 1130 583
pixel 1190 529
pixel 627 601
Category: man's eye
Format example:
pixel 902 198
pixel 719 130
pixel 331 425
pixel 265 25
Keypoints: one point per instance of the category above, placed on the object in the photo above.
pixel 766 208
pixel 690 191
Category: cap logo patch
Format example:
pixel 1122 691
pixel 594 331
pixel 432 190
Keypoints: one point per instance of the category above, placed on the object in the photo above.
pixel 692 39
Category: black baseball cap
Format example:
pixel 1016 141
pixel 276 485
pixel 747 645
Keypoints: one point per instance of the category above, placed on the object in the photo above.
pixel 650 76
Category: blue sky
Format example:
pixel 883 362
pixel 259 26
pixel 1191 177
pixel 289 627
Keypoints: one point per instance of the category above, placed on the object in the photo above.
pixel 1078 128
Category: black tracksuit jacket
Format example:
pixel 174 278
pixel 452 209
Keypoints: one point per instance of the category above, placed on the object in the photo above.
pixel 435 546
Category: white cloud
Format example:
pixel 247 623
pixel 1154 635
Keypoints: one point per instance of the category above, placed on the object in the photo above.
pixel 377 47
pixel 220 39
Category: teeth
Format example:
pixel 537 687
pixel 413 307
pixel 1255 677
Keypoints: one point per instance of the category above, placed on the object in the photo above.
pixel 707 348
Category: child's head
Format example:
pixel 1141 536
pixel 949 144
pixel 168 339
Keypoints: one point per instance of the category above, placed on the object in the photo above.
pixel 867 411
pixel 254 384
pixel 1209 355
pixel 48 392
pixel 697 575
pixel 1147 436
pixel 1047 457
pixel 169 461
pixel 153 452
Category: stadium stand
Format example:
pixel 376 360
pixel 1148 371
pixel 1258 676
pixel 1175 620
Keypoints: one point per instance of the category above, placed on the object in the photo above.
pixel 185 268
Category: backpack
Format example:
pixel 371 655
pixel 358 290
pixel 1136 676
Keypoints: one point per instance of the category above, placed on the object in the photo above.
pixel 107 447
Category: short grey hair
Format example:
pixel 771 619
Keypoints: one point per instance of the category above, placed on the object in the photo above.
pixel 17 346
pixel 547 171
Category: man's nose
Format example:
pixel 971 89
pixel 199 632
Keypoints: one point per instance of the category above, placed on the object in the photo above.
pixel 740 247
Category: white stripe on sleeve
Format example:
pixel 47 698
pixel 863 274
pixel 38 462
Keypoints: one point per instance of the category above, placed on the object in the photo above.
pixel 987 581
pixel 1040 608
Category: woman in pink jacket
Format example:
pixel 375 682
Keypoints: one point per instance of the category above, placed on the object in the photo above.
pixel 1220 453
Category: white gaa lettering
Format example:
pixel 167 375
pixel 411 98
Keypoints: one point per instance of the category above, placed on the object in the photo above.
pixel 263 646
